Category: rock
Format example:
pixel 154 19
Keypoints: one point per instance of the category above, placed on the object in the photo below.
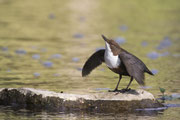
pixel 36 99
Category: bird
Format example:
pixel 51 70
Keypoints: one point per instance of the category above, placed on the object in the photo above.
pixel 119 61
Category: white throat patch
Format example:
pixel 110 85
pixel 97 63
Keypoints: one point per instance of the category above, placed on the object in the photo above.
pixel 111 60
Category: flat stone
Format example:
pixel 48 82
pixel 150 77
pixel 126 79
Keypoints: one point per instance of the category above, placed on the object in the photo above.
pixel 37 99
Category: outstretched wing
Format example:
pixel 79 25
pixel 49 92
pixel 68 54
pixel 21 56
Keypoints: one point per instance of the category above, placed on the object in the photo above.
pixel 94 61
pixel 134 66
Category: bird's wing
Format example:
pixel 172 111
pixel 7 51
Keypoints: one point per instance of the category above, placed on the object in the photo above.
pixel 94 61
pixel 134 66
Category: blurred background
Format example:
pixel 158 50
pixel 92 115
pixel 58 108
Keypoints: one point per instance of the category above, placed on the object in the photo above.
pixel 44 44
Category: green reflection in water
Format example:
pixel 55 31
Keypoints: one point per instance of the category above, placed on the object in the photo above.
pixel 72 29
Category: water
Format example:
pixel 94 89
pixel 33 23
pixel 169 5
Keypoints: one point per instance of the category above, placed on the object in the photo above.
pixel 38 40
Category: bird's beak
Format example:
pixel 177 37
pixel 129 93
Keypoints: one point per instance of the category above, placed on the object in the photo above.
pixel 105 39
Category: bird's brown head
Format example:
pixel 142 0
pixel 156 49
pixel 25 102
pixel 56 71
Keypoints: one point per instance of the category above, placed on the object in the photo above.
pixel 112 45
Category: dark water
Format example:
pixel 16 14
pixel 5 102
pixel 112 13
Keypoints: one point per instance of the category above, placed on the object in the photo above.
pixel 44 44
pixel 13 113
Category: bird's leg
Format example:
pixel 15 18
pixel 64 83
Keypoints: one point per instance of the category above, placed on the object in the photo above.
pixel 126 89
pixel 129 84
pixel 120 76
pixel 116 89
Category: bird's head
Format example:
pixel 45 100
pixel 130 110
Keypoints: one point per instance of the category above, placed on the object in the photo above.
pixel 112 46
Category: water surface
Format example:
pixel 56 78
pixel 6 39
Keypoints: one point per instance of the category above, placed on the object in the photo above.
pixel 44 44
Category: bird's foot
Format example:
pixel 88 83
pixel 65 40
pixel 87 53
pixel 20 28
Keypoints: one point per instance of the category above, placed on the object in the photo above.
pixel 115 90
pixel 125 90
pixel 121 91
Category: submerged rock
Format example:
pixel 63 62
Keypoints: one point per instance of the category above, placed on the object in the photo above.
pixel 30 98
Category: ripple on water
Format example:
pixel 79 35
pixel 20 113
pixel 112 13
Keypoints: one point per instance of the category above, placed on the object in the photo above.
pixel 79 69
pixel 51 16
pixel 164 54
pixel 99 48
pixel 123 28
pixel 56 75
pixel 172 105
pixel 176 95
pixel 75 59
pixel 36 74
pixel 36 56
pixel 153 55
pixel 4 49
pixel 9 70
pixel 82 19
pixel 154 71
pixel 176 55
pixel 144 43
pixel 48 64
pixel 56 56
pixel 43 50
pixel 78 35
pixel 100 89
pixel 146 87
pixel 20 52
pixel 165 43
pixel 152 109
pixel 120 40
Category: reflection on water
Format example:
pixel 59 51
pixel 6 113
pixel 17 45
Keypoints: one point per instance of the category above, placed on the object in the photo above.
pixel 14 113
pixel 44 44
pixel 7 112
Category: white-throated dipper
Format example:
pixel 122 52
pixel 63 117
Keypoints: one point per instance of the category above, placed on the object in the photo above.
pixel 119 61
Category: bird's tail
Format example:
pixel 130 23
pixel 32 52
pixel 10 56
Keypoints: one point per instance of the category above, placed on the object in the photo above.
pixel 148 71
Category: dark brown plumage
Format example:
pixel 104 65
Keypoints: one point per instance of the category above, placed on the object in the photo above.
pixel 119 61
